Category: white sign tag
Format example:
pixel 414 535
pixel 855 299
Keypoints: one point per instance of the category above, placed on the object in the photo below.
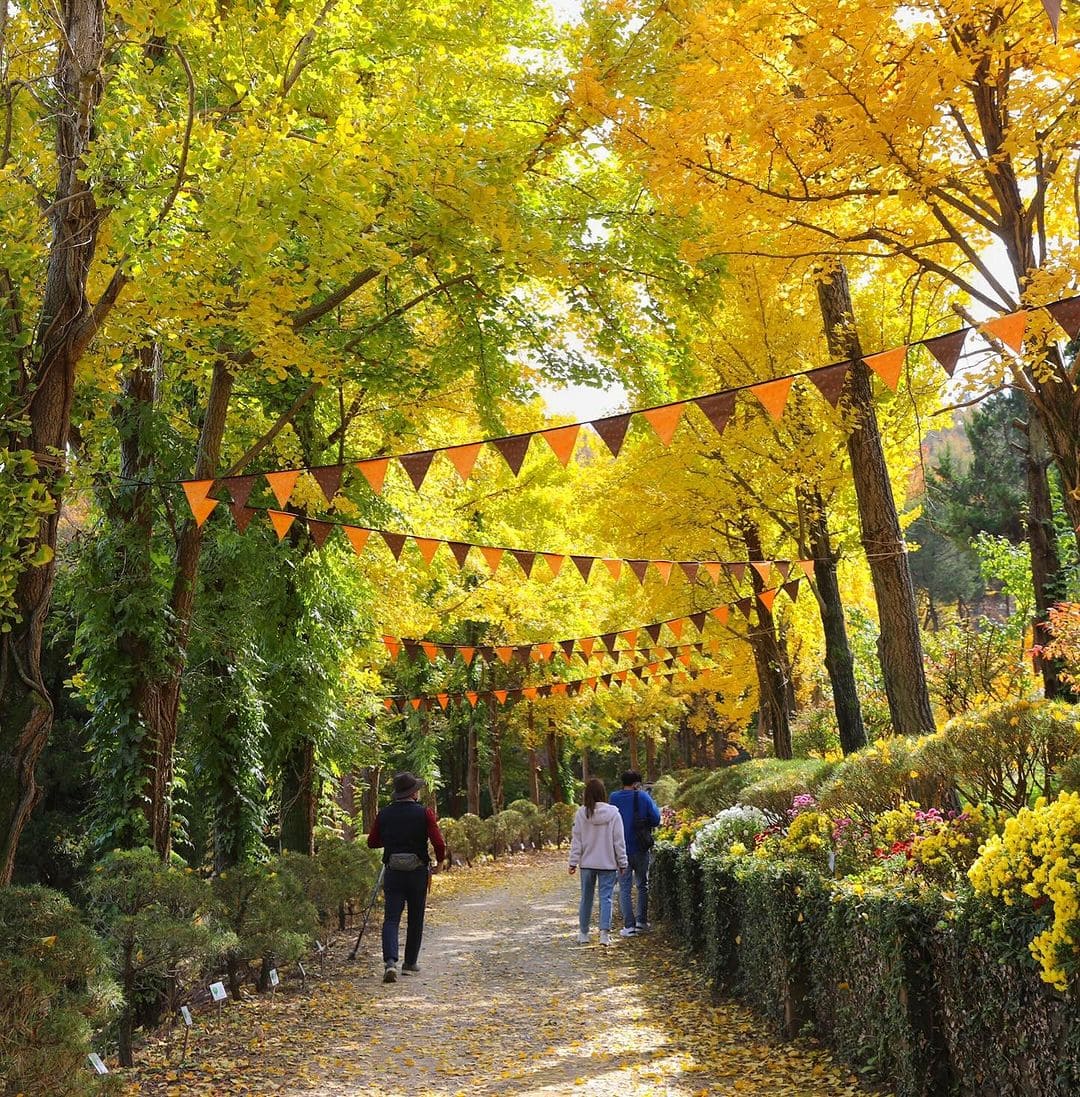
pixel 218 992
pixel 97 1064
pixel 186 1014
pixel 274 980
pixel 300 965
pixel 320 947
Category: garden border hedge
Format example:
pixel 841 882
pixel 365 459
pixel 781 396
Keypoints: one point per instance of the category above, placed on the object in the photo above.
pixel 936 998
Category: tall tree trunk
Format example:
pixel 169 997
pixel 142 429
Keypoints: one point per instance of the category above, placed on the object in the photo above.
pixel 369 802
pixel 299 798
pixel 495 773
pixel 769 659
pixel 554 776
pixel 651 773
pixel 1046 575
pixel 346 799
pixel 46 385
pixel 473 775
pixel 534 775
pixel 839 662
pixel 899 647
pixel 668 761
pixel 161 698
pixel 632 739
pixel 585 774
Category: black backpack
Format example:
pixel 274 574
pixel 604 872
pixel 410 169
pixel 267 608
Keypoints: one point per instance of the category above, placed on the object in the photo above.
pixel 643 831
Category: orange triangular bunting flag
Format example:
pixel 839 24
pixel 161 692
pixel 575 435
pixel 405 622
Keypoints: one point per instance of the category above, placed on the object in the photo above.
pixel 562 440
pixel 762 568
pixel 196 492
pixel 630 636
pixel 467 655
pixel 529 692
pixel 712 570
pixel 586 644
pixel 808 568
pixel 1009 329
pixel 427 547
pixel 388 704
pixel 664 420
pixel 546 650
pixel 887 365
pixel 505 654
pixel 430 650
pixel 463 458
pixel 202 509
pixel 281 520
pixel 676 627
pixel 357 537
pixel 664 568
pixel 443 699
pixel 766 598
pixel 614 568
pixel 393 646
pixel 500 695
pixel 721 614
pixel 773 395
pixel 374 472
pixel 416 702
pixel 554 562
pixel 472 698
pixel 492 555
pixel 282 484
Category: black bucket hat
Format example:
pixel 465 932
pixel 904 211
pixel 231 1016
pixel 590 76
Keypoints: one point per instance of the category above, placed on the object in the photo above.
pixel 405 784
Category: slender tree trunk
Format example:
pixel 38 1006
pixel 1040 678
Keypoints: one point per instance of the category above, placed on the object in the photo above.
pixel 473 776
pixel 585 774
pixel 838 659
pixel 369 800
pixel 651 773
pixel 46 385
pixel 1046 576
pixel 554 776
pixel 899 647
pixel 769 658
pixel 632 739
pixel 161 698
pixel 495 773
pixel 346 799
pixel 299 798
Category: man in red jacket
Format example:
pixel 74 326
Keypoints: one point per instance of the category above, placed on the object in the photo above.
pixel 402 830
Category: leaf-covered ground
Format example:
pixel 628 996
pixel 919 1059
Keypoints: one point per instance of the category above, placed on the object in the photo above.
pixel 507 1003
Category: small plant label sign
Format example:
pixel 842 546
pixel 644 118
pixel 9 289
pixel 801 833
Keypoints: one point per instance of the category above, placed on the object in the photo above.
pixel 300 965
pixel 274 980
pixel 218 992
pixel 320 947
pixel 97 1064
pixel 186 1014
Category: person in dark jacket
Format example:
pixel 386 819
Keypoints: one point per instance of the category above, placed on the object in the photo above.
pixel 402 830
pixel 640 817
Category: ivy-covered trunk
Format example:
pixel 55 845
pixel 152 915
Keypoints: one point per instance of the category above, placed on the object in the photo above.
pixel 900 649
pixel 45 387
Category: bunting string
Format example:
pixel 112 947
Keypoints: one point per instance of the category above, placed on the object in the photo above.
pixel 527 559
pixel 718 408
pixel 586 646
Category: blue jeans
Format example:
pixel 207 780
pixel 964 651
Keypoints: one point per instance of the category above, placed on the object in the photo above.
pixel 401 890
pixel 589 879
pixel 639 870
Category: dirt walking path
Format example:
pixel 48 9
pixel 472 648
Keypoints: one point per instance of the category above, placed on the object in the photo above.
pixel 507 1004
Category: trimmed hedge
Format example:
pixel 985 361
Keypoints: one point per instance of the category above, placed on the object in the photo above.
pixel 936 1006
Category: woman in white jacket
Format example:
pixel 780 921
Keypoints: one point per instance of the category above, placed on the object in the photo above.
pixel 598 848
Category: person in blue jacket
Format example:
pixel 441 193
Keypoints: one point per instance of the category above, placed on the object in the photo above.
pixel 640 817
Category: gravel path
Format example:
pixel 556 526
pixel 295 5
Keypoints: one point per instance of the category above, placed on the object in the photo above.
pixel 506 1003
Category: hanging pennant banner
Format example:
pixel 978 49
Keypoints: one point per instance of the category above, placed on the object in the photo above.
pixel 664 420
pixel 319 531
pixel 463 458
pixel 1009 329
pixel 374 472
pixel 282 484
pixel 554 562
pixel 888 365
pixel 513 450
pixel 357 538
pixel 493 557
pixel 281 520
pixel 562 441
pixel 718 409
pixel 830 381
pixel 766 598
pixel 427 548
pixel 1066 313
pixel 612 431
pixel 773 396
pixel 329 480
pixel 417 465
pixel 239 488
pixel 395 542
pixel 614 568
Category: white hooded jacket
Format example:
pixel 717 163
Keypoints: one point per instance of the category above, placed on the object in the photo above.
pixel 597 841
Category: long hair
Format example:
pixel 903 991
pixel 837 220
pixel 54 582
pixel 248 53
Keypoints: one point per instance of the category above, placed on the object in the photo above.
pixel 595 793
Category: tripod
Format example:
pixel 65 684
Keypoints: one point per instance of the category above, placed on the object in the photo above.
pixel 367 913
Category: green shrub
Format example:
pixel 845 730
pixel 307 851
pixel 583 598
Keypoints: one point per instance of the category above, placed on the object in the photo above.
pixel 814 732
pixel 872 780
pixel 340 871
pixel 664 790
pixel 562 822
pixel 536 822
pixel 54 989
pixel 708 791
pixel 267 911
pixel 663 896
pixel 508 829
pixel 473 836
pixel 1004 755
pixel 774 792
pixel 1068 775
pixel 457 841
pixel 158 925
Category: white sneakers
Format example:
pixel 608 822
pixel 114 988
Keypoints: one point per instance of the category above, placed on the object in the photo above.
pixel 582 938
pixel 390 974
pixel 605 937
pixel 628 931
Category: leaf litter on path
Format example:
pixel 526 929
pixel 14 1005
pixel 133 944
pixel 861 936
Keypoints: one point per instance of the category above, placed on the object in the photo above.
pixel 506 1003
